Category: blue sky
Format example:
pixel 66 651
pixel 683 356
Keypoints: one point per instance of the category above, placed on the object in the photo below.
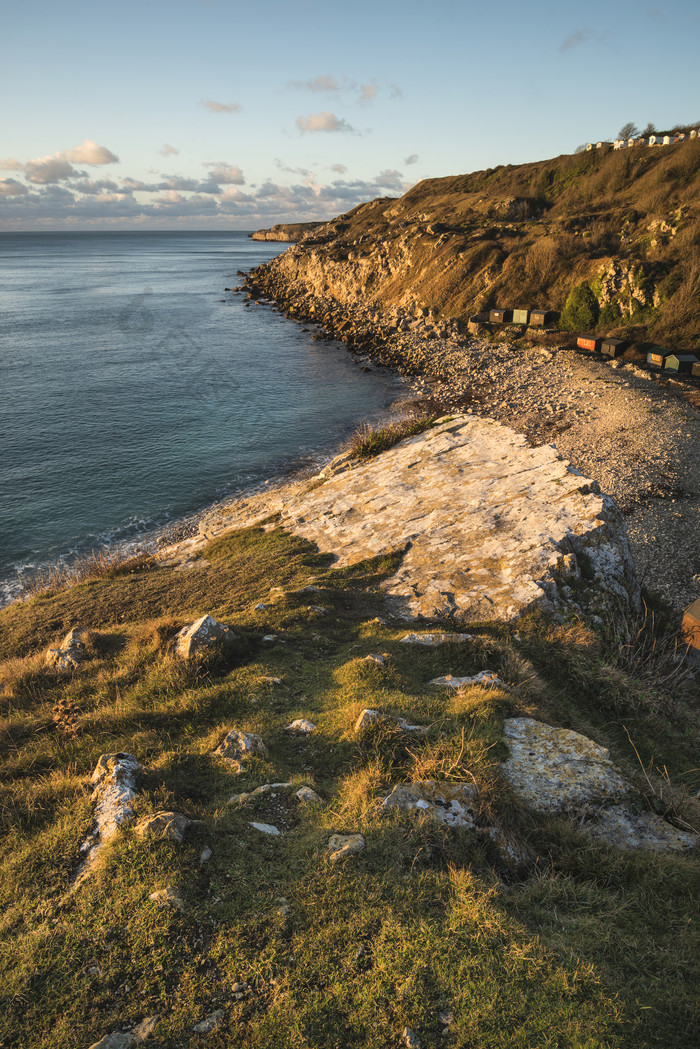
pixel 212 115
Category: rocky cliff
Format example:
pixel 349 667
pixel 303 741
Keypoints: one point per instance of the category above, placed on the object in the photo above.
pixel 291 231
pixel 625 224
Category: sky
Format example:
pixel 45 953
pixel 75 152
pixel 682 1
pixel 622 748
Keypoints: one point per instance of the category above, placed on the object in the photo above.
pixel 205 114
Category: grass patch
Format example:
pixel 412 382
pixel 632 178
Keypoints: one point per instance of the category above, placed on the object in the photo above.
pixel 426 928
pixel 368 440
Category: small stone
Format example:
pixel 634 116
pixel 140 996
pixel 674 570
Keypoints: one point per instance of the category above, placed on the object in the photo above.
pixel 340 846
pixel 308 796
pixel 211 1023
pixel 320 610
pixel 260 607
pixel 410 1038
pixel 272 680
pixel 370 717
pixel 374 657
pixel 267 828
pixel 201 636
pixel 168 897
pixel 446 1018
pixel 205 855
pixel 433 640
pixel 487 678
pixel 238 746
pixel 164 826
pixel 145 1029
pixel 117 1040
pixel 269 639
pixel 301 725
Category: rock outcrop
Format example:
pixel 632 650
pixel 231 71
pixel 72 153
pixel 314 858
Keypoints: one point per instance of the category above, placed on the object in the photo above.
pixel 201 637
pixel 291 232
pixel 70 653
pixel 114 783
pixel 489 526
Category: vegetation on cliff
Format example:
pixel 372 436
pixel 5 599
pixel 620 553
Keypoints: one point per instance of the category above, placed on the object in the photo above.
pixel 624 223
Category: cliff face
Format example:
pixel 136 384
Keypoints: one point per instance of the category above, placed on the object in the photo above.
pixel 290 232
pixel 626 223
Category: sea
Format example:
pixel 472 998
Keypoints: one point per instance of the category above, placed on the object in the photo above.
pixel 136 390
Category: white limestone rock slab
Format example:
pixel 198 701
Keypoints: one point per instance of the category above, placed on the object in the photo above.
pixel 340 846
pixel 555 770
pixel 640 830
pixel 267 828
pixel 163 826
pixel 487 678
pixel 369 717
pixel 302 725
pixel 435 640
pixel 307 796
pixel 484 520
pixel 170 896
pixel 450 803
pixel 70 653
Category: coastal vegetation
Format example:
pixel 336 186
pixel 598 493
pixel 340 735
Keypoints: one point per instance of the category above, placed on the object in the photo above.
pixel 428 930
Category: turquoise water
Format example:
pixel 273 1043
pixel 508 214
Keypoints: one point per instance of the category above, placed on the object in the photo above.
pixel 136 391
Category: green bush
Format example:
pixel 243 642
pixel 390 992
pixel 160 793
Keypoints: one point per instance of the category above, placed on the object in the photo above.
pixel 610 314
pixel 581 310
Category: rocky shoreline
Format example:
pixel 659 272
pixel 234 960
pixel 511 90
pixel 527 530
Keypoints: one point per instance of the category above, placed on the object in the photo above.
pixel 614 420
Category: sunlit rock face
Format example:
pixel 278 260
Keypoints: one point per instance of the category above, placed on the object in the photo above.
pixel 489 525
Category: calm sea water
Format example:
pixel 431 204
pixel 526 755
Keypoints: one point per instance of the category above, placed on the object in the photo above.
pixel 135 390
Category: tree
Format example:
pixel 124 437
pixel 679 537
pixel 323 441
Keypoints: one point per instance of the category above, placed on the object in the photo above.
pixel 581 310
pixel 628 130
pixel 650 129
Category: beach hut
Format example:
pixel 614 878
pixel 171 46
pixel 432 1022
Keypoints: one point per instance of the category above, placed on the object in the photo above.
pixel 690 629
pixel 657 355
pixel 589 147
pixel 521 316
pixel 613 347
pixel 695 370
pixel 693 134
pixel 680 362
pixel 588 342
pixel 654 141
pixel 539 318
pixel 666 141
pixel 500 316
pixel 680 137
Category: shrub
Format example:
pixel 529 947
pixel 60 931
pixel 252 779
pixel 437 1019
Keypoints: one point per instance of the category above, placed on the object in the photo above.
pixel 581 310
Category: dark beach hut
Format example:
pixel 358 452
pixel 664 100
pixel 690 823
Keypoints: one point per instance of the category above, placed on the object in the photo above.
pixel 657 355
pixel 521 316
pixel 539 317
pixel 695 370
pixel 500 316
pixel 613 347
pixel 690 628
pixel 680 362
pixel 588 342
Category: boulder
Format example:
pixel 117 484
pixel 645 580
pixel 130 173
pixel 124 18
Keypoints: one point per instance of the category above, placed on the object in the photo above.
pixel 369 717
pixel 70 653
pixel 239 746
pixel 450 803
pixel 164 826
pixel 307 796
pixel 198 638
pixel 487 678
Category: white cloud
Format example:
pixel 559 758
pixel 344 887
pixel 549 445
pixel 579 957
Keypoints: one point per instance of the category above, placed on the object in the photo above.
pixel 90 153
pixel 324 121
pixel 413 159
pixel 220 107
pixel 317 83
pixel 10 164
pixel 10 187
pixel 368 92
pixel 339 169
pixel 225 174
pixel 169 151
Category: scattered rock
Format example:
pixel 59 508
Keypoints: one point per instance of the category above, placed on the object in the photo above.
pixel 410 1039
pixel 265 788
pixel 450 803
pixel 70 653
pixel 238 746
pixel 340 846
pixel 486 677
pixel 308 796
pixel 145 1029
pixel 168 897
pixel 212 1023
pixel 374 657
pixel 267 828
pixel 117 1040
pixel 433 640
pixel 301 725
pixel 114 781
pixel 644 830
pixel 200 637
pixel 164 826
pixel 260 607
pixel 271 680
pixel 205 855
pixel 370 717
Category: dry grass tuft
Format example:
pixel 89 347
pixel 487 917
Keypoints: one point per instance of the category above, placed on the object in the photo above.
pixel 368 440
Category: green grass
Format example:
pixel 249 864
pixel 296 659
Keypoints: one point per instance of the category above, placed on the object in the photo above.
pixel 585 947
pixel 369 440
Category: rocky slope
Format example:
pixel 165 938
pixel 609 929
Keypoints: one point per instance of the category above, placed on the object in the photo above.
pixel 291 231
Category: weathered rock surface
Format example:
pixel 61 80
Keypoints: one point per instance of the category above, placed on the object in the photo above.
pixel 122 1039
pixel 114 783
pixel 487 678
pixel 340 846
pixel 202 636
pixel 302 725
pixel 238 747
pixel 70 653
pixel 164 826
pixel 450 803
pixel 211 1023
pixel 557 771
pixel 307 796
pixel 266 828
pixel 369 717
pixel 170 896
pixel 291 232
pixel 435 640
pixel 484 520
